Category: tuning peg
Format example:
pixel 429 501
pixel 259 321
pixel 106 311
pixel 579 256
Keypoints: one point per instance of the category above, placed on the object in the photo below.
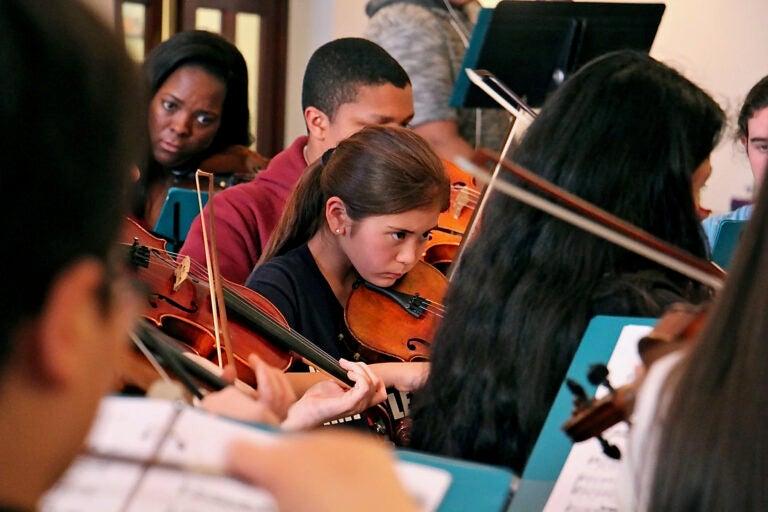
pixel 610 450
pixel 598 374
pixel 577 390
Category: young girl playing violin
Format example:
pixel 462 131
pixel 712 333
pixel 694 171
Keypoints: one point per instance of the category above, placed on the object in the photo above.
pixel 528 283
pixel 364 212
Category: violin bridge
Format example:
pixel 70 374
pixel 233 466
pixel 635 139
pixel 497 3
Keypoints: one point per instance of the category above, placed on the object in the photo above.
pixel 181 273
pixel 461 201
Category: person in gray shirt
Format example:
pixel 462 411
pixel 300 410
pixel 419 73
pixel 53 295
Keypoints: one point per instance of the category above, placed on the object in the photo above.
pixel 429 38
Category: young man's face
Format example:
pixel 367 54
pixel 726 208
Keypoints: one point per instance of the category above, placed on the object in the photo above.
pixel 756 144
pixel 385 105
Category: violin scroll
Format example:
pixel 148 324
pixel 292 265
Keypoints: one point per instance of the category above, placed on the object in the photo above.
pixel 593 416
pixel 677 328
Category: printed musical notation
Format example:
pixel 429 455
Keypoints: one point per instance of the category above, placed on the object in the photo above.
pixel 153 455
pixel 589 480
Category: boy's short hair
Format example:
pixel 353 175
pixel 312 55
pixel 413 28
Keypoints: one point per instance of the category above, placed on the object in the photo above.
pixel 336 70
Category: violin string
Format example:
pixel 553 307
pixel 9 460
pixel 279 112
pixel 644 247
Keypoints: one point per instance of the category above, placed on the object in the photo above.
pixel 467 190
pixel 294 341
pixel 433 307
pixel 437 307
pixel 436 311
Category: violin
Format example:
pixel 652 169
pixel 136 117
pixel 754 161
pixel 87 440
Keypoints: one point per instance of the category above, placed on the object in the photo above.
pixel 440 249
pixel 232 165
pixel 446 238
pixel 182 310
pixel 397 323
pixel 677 328
pixel 169 353
pixel 463 199
pixel 180 305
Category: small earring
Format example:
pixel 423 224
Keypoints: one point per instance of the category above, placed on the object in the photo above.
pixel 338 230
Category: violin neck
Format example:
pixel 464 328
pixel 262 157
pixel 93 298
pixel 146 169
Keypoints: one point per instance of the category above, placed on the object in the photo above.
pixel 289 339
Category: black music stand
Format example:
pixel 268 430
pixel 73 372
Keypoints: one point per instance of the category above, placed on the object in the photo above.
pixel 533 46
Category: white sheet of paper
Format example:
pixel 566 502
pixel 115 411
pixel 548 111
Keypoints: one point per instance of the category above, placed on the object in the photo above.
pixel 144 429
pixel 588 480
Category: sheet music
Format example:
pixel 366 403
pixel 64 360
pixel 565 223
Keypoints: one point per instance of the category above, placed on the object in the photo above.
pixel 110 477
pixel 588 481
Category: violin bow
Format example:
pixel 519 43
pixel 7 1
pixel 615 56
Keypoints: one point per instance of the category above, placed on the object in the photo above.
pixel 505 97
pixel 214 275
pixel 595 220
pixel 159 349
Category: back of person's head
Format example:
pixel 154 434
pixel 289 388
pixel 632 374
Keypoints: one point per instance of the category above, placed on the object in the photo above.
pixel 757 99
pixel 376 171
pixel 626 133
pixel 337 69
pixel 68 108
pixel 218 57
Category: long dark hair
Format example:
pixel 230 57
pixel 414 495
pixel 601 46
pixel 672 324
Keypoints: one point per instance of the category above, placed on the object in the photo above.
pixel 529 283
pixel 221 59
pixel 714 443
pixel 377 171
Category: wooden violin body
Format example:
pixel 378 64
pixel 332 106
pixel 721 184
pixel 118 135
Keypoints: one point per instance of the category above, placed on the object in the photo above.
pixel 397 323
pixel 183 311
pixel 445 239
pixel 181 306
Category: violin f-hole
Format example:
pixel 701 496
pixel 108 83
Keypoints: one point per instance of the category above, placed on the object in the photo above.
pixel 412 342
pixel 193 307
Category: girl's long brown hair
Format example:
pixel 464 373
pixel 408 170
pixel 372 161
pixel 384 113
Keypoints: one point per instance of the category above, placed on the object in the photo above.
pixel 377 171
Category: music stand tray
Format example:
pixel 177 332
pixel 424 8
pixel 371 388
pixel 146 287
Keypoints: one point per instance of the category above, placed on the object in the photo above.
pixel 533 46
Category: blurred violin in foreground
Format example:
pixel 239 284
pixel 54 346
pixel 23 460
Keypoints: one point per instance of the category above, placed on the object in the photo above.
pixel 677 328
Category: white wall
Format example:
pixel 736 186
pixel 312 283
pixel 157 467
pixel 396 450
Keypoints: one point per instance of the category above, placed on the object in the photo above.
pixel 722 45
pixel 311 24
pixel 104 9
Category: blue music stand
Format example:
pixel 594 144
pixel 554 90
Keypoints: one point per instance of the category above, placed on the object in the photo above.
pixel 474 486
pixel 553 445
pixel 726 239
pixel 179 210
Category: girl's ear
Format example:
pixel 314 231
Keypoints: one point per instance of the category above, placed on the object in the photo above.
pixel 336 216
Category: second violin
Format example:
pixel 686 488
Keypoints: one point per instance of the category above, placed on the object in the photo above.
pixel 676 329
